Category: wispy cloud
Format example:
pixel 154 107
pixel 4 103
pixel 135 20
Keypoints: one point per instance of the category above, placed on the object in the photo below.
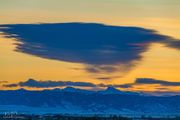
pixel 154 81
pixel 50 83
pixel 149 81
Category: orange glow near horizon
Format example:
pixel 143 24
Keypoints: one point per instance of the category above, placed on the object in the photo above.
pixel 159 62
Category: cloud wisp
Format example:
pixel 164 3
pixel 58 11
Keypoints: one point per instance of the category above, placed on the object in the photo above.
pixel 50 83
pixel 149 81
pixel 154 81
pixel 101 48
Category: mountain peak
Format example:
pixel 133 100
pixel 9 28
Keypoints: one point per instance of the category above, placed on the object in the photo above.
pixel 72 89
pixel 56 89
pixel 69 88
pixel 111 88
pixel 22 89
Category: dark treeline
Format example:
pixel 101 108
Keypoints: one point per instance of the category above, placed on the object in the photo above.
pixel 68 117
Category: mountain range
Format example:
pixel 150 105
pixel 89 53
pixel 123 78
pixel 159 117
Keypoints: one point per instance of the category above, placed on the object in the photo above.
pixel 79 101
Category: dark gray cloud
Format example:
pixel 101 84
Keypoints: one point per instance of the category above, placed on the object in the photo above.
pixel 154 81
pixel 173 44
pixel 104 78
pixel 108 77
pixel 100 47
pixel 148 81
pixel 101 68
pixel 11 85
pixel 125 85
pixel 50 83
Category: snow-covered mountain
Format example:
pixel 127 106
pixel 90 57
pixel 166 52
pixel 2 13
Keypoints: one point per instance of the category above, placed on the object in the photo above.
pixel 112 90
pixel 78 101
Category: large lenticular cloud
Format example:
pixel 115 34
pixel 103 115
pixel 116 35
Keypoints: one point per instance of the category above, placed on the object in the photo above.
pixel 100 47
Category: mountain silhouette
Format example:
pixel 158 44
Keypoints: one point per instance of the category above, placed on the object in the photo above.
pixel 78 101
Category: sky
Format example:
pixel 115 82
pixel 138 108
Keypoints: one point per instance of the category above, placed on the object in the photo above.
pixel 102 42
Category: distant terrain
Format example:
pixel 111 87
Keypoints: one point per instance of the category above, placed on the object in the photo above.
pixel 73 117
pixel 84 102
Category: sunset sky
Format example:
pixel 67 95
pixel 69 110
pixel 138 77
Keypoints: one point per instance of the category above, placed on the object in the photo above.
pixel 131 44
